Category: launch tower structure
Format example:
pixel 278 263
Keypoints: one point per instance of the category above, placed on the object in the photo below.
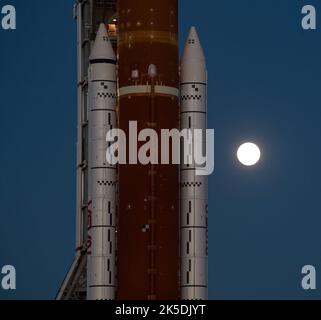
pixel 89 14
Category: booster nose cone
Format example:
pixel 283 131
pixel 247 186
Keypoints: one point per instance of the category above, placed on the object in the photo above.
pixel 193 49
pixel 102 48
pixel 193 65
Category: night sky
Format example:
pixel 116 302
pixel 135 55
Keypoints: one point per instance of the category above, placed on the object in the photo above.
pixel 264 86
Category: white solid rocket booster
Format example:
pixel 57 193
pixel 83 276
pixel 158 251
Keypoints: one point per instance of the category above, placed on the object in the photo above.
pixel 193 188
pixel 102 177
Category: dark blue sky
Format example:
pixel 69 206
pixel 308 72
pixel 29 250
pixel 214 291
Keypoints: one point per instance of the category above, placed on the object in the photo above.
pixel 265 75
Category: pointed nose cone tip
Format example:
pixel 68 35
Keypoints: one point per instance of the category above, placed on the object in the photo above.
pixel 193 49
pixel 193 32
pixel 193 63
pixel 102 48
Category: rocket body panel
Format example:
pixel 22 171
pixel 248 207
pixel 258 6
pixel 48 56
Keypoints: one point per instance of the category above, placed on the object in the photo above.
pixel 101 246
pixel 148 222
pixel 148 34
pixel 193 188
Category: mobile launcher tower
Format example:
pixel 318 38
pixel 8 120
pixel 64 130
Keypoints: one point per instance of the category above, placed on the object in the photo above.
pixel 141 229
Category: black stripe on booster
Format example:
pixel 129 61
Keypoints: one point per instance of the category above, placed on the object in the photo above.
pixel 101 286
pixel 200 83
pixel 97 80
pixel 194 286
pixel 110 61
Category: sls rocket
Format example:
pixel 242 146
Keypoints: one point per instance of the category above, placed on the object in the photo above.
pixel 193 188
pixel 149 221
pixel 102 98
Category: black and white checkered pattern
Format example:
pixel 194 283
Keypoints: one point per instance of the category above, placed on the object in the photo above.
pixel 191 97
pixel 107 183
pixel 191 184
pixel 105 95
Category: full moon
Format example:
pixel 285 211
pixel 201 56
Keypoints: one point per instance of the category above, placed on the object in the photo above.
pixel 249 154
